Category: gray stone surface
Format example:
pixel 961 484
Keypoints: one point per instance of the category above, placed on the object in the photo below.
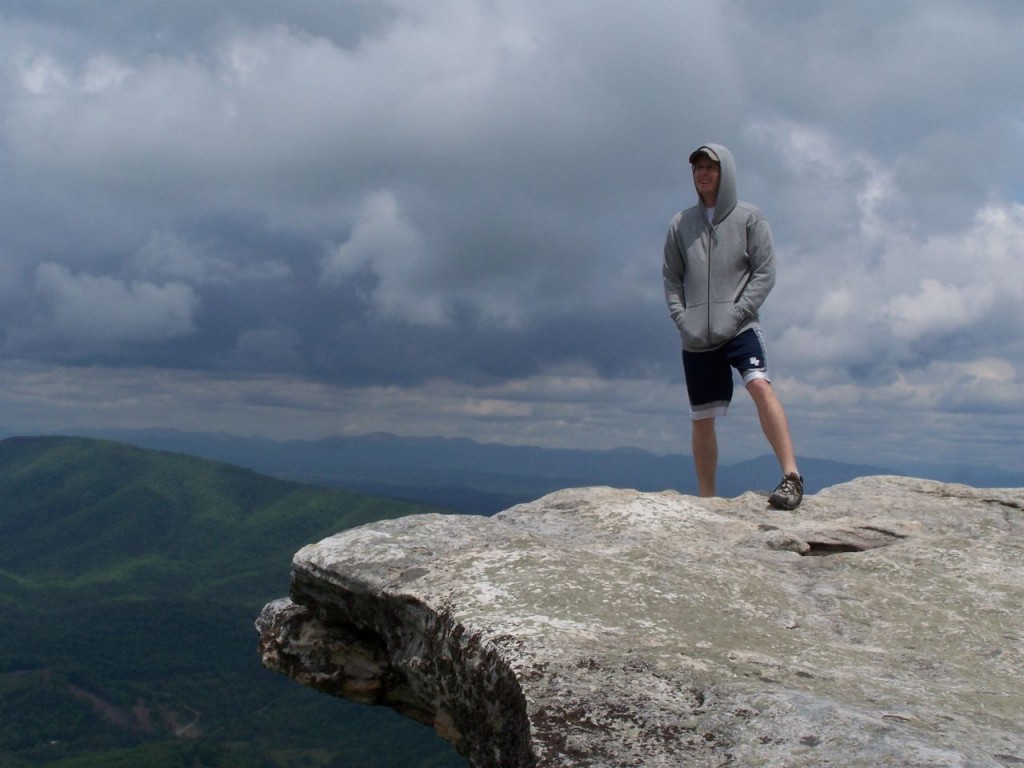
pixel 881 625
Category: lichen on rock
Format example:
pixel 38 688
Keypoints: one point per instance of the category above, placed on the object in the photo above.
pixel 878 625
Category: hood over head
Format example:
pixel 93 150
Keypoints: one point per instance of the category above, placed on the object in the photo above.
pixel 727 195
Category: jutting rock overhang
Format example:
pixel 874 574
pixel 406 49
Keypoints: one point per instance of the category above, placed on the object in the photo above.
pixel 880 625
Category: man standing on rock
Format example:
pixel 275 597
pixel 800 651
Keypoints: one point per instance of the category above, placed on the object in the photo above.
pixel 718 270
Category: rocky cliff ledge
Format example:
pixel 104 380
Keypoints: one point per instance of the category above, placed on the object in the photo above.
pixel 882 625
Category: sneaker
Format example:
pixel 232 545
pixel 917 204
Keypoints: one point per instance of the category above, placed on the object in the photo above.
pixel 789 493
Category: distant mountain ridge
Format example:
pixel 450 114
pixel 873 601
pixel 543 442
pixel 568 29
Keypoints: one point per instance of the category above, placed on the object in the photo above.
pixel 467 476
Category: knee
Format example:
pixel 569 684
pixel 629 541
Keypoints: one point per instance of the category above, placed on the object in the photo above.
pixel 759 388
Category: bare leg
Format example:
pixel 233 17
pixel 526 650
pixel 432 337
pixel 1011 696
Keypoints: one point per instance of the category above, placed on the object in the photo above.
pixel 705 455
pixel 774 424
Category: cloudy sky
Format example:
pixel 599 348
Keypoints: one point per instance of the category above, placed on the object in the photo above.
pixel 317 217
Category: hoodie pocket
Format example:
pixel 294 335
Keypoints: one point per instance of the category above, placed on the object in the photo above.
pixel 693 327
pixel 725 322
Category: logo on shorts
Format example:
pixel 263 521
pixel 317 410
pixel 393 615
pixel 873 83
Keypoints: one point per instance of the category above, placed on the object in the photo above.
pixel 755 362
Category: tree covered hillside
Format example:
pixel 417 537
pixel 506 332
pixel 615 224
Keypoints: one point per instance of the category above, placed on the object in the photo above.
pixel 129 583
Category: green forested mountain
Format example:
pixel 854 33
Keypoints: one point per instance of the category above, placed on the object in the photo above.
pixel 129 583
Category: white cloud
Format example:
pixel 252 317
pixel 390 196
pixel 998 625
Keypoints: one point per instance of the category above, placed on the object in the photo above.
pixel 41 75
pixel 90 313
pixel 384 243
pixel 103 73
pixel 957 282
pixel 861 283
pixel 935 308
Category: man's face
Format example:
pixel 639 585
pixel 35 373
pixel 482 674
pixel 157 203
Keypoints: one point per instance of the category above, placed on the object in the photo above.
pixel 706 176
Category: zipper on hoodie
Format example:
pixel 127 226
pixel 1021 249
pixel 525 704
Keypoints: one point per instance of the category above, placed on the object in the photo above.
pixel 712 240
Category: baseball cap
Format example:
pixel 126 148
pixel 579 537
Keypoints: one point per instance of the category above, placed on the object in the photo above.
pixel 707 151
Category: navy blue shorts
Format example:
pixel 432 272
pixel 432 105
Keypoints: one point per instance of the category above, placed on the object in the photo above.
pixel 709 374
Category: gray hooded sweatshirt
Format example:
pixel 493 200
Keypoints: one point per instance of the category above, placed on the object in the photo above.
pixel 717 274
